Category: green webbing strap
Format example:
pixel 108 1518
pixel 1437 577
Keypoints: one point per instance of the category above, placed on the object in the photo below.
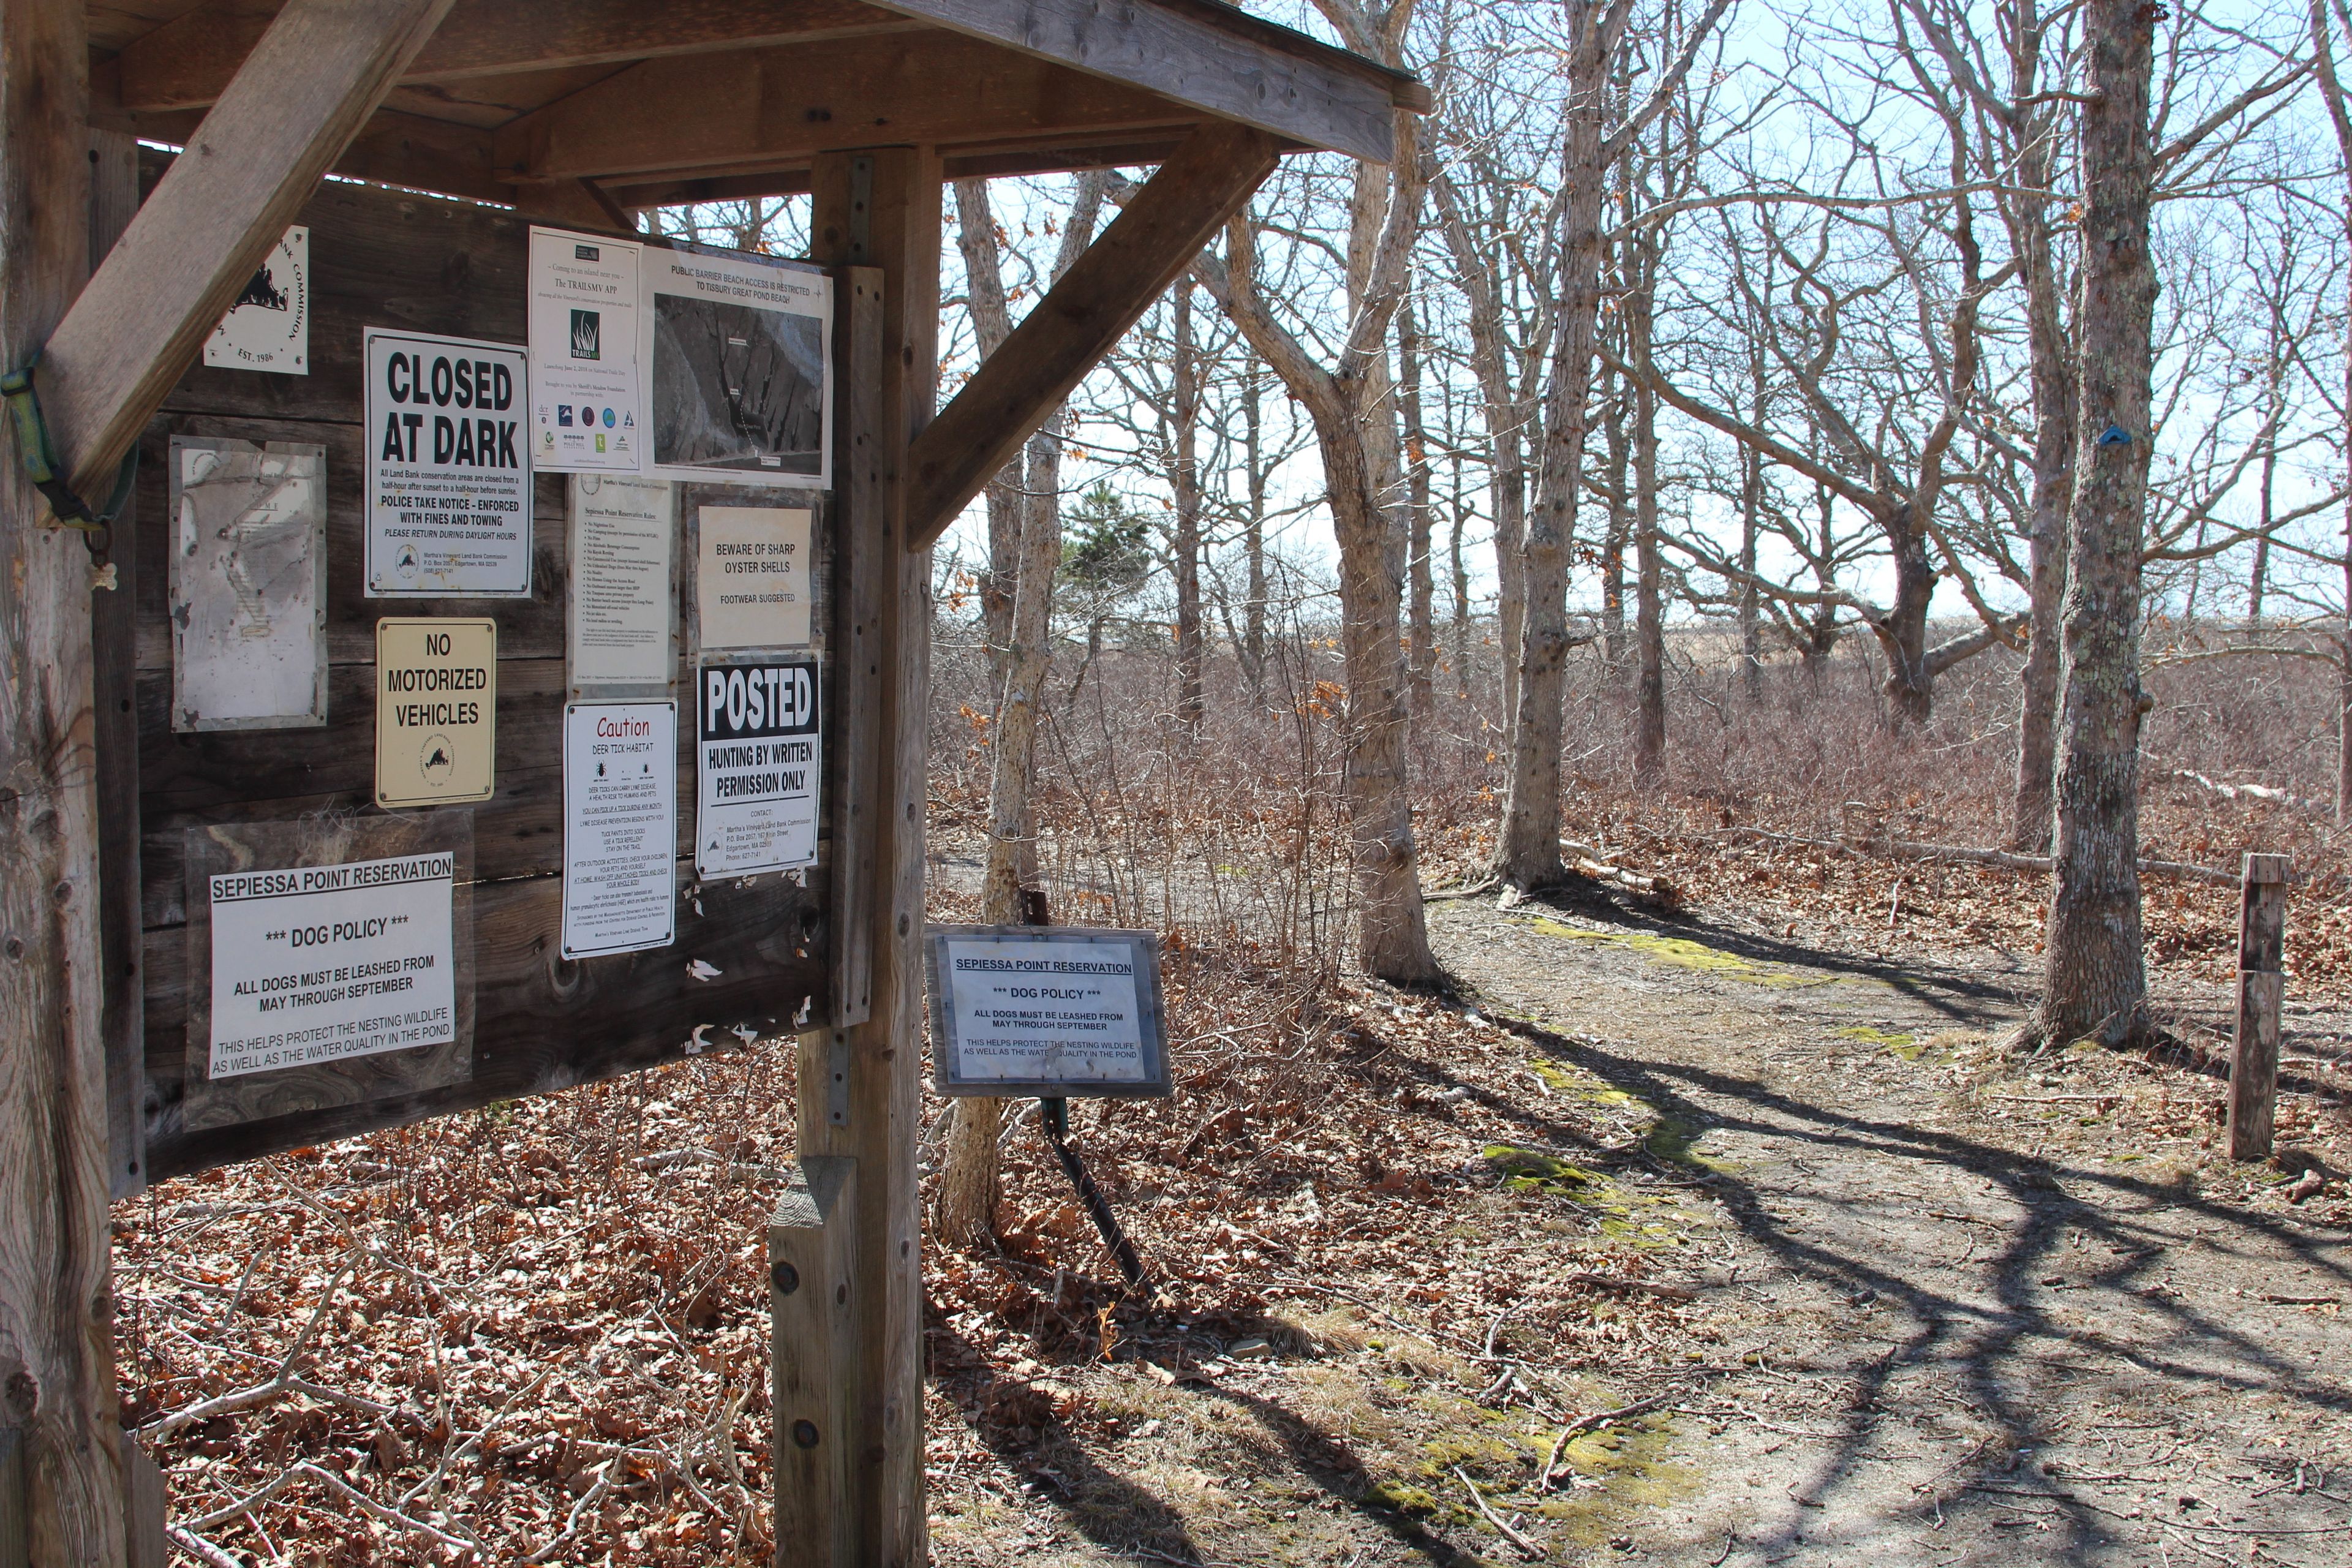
pixel 41 465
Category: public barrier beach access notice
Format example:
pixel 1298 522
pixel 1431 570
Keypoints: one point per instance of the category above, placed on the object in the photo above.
pixel 315 964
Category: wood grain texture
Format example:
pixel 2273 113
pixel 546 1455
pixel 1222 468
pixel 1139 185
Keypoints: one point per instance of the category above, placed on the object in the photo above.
pixel 305 90
pixel 862 587
pixel 57 1349
pixel 1080 318
pixel 542 1023
pixel 185 63
pixel 897 233
pixel 813 1309
pixel 114 197
pixel 322 838
pixel 1219 61
pixel 2262 998
pixel 755 107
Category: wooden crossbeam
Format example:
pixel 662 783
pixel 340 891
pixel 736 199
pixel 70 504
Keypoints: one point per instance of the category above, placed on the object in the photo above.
pixel 751 107
pixel 1210 56
pixel 185 63
pixel 312 81
pixel 1143 150
pixel 1146 248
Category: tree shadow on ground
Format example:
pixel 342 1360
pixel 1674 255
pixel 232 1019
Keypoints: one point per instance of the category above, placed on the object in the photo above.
pixel 1052 1458
pixel 1992 1351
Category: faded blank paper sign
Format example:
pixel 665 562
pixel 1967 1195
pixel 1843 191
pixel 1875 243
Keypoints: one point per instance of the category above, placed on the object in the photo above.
pixel 248 585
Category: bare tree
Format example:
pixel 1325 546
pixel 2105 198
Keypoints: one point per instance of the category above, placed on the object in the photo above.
pixel 2094 975
pixel 969 1178
pixel 1351 403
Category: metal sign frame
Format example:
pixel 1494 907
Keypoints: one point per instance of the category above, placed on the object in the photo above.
pixel 1151 1013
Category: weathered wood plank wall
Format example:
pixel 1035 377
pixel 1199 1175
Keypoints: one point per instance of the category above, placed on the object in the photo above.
pixel 384 258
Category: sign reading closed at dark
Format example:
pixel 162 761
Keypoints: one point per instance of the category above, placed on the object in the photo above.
pixel 448 474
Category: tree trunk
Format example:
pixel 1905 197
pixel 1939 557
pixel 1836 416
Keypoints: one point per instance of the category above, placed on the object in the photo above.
pixel 1527 852
pixel 57 1317
pixel 2051 363
pixel 1392 940
pixel 1752 625
pixel 1620 532
pixel 968 1181
pixel 1903 634
pixel 1186 543
pixel 1253 541
pixel 1421 627
pixel 991 323
pixel 1649 614
pixel 1459 577
pixel 2095 973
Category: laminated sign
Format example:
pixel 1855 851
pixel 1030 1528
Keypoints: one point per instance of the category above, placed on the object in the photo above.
pixel 448 479
pixel 758 759
pixel 436 705
pixel 314 963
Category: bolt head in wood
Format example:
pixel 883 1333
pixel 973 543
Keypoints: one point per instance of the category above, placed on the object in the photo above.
pixel 804 1435
pixel 785 1277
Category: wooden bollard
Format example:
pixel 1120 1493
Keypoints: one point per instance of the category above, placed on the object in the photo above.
pixel 2262 993
pixel 812 1258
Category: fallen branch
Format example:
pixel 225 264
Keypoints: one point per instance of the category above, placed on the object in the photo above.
pixel 1599 1418
pixel 1614 1282
pixel 1587 862
pixel 1497 1520
pixel 2262 792
pixel 1905 849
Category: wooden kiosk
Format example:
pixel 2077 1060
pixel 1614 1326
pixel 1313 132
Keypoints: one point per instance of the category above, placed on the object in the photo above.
pixel 484 117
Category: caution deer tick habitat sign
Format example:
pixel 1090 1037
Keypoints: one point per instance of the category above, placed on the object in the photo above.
pixel 436 704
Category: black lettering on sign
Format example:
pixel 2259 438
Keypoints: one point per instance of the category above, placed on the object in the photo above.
pixel 756 702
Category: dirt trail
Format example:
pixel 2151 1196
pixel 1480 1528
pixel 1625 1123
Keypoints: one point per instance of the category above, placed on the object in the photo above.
pixel 1974 1309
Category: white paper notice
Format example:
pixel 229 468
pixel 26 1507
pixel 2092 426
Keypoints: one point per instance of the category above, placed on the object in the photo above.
pixel 620 827
pixel 620 597
pixel 1034 1012
pixel 758 761
pixel 737 354
pixel 268 327
pixel 584 390
pixel 751 576
pixel 249 606
pixel 448 480
pixel 314 963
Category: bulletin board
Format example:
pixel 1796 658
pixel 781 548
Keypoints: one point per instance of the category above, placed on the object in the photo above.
pixel 513 998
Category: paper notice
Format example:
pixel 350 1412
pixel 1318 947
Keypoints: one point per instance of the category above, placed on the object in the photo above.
pixel 248 585
pixel 584 390
pixel 620 827
pixel 619 627
pixel 314 963
pixel 737 354
pixel 448 480
pixel 750 577
pixel 758 761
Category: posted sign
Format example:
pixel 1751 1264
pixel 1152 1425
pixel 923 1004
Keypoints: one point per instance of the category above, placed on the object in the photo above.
pixel 436 709
pixel 758 758
pixel 1044 1010
pixel 315 964
pixel 448 473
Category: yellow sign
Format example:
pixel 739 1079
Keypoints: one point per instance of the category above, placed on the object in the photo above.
pixel 436 703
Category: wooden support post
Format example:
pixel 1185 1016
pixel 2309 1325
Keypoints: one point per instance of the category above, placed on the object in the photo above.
pixel 1080 319
pixel 300 96
pixel 813 1310
pixel 880 209
pixel 57 1317
pixel 2262 993
pixel 114 197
